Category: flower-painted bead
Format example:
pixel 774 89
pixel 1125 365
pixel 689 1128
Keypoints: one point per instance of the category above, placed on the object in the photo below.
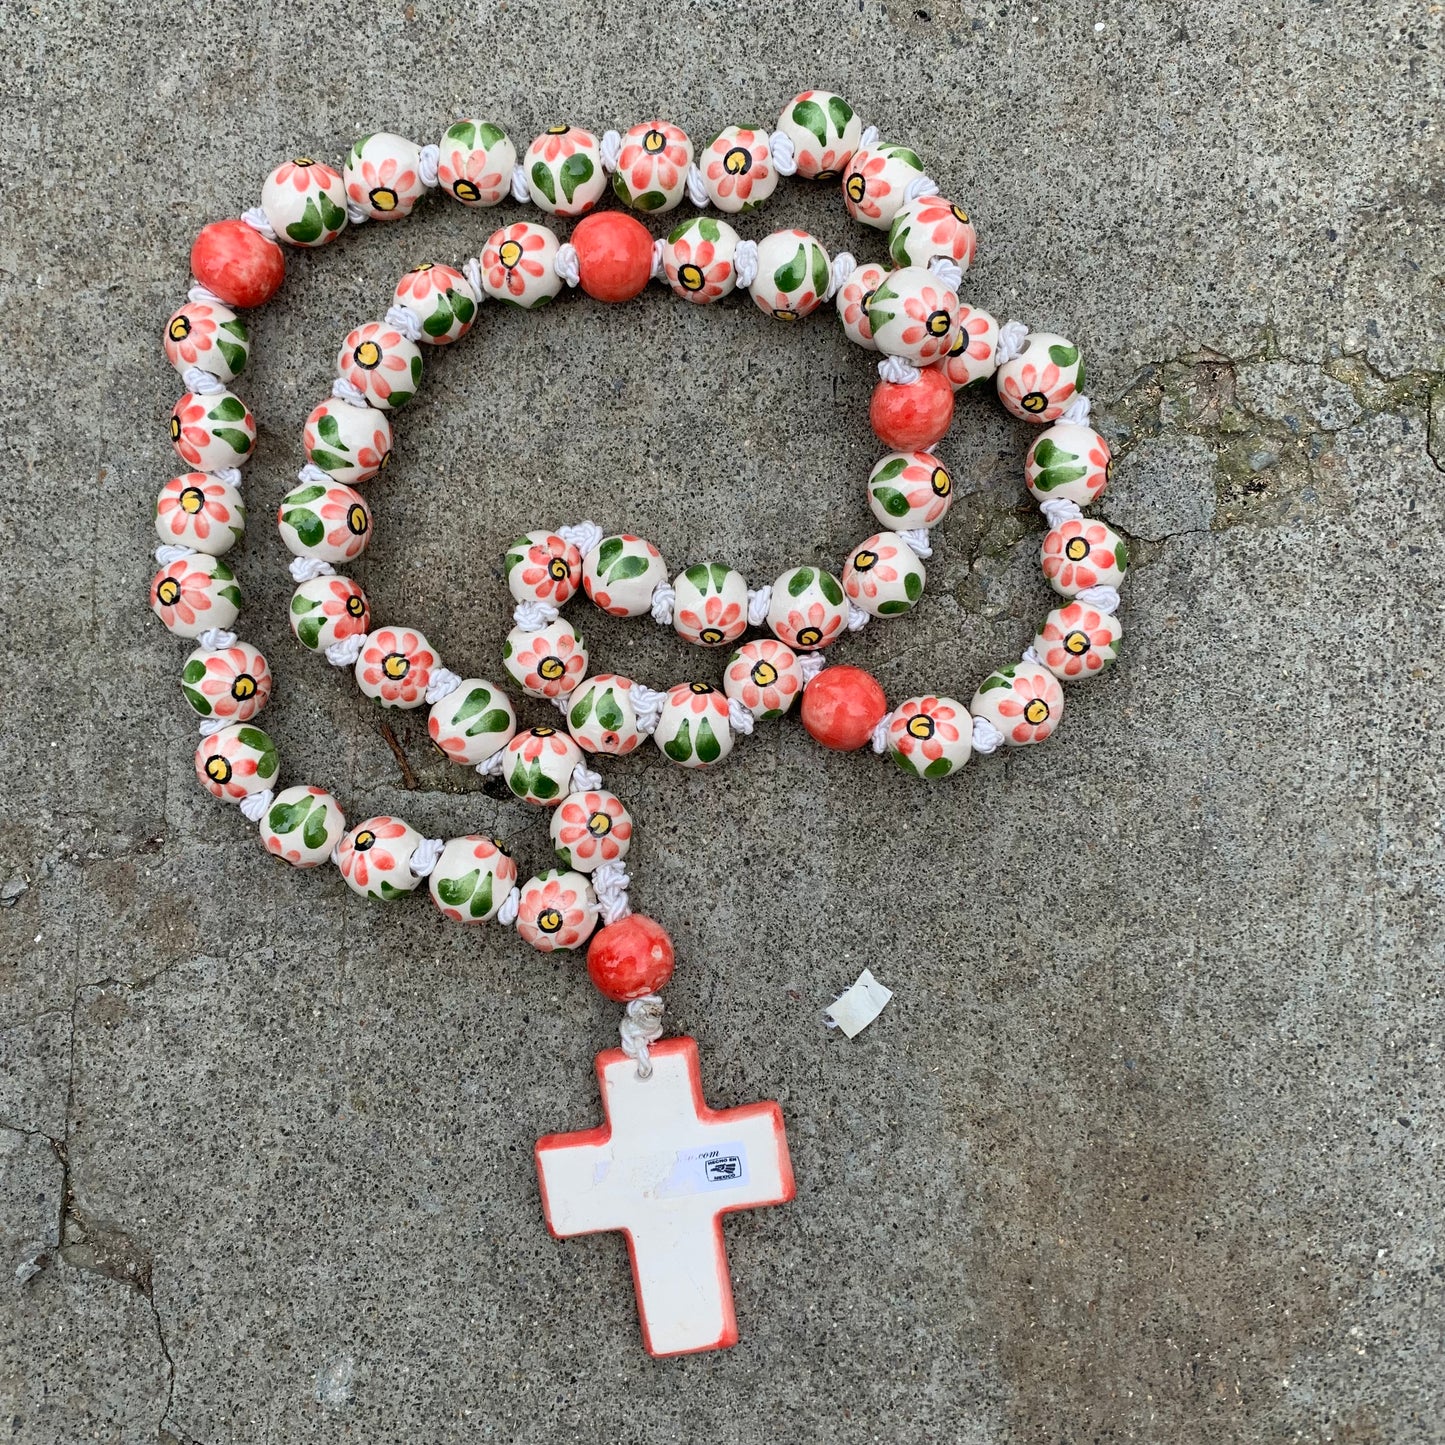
pixel 1024 702
pixel 233 683
pixel 875 181
pixel 908 490
pixel 590 829
pixel 212 432
pixel 1038 383
pixel 883 575
pixel 353 443
pixel 328 609
pixel 543 567
pixel 546 662
pixel 630 958
pixel 210 336
pixel 929 226
pixel 237 264
pixel 381 364
pixel 476 163
pixel 441 299
pixel 808 610
pixel 517 265
pixel 1069 461
pixel 710 604
pixel 375 858
pixel 792 275
pixel 852 302
pixel 305 202
pixel 538 765
pixel 698 259
pixel 971 356
pixel 302 825
pixel 913 315
pixel 471 879
pixel 564 171
pixel 383 176
pixel 195 592
pixel 557 911
pixel 332 524
pixel 394 667
pixel 738 169
pixel 1078 641
pixel 202 512
pixel 236 762
pixel 621 573
pixel 652 166
pixel 764 675
pixel 694 730
pixel 824 131
pixel 1083 553
pixel 841 707
pixel 930 737
pixel 470 723
pixel 912 417
pixel 602 716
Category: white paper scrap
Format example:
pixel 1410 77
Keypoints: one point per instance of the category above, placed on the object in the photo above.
pixel 854 1010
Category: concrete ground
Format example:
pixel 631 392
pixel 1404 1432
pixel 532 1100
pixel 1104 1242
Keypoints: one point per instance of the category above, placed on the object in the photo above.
pixel 1148 1145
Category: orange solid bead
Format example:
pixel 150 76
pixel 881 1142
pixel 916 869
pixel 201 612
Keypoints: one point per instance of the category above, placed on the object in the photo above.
pixel 910 418
pixel 237 263
pixel 614 255
pixel 630 958
pixel 842 706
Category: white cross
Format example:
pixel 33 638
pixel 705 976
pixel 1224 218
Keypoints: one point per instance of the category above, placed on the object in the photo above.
pixel 663 1169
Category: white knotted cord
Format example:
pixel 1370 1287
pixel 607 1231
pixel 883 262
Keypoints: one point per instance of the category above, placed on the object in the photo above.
pixel 428 162
pixel 216 639
pixel 740 716
pixel 610 882
pixel 880 733
pixel 785 158
pixel 566 265
pixel 1011 338
pixel 312 475
pixel 533 616
pixel 511 906
pixel 168 552
pixel 343 390
pixel 1029 655
pixel 986 738
pixel 858 619
pixel 257 220
pixel 254 805
pixel 696 187
pixel 1102 599
pixel 203 294
pixel 663 600
pixel 759 600
pixel 307 569
pixel 611 149
pixel 1058 510
pixel 584 536
pixel 647 708
pixel 356 213
pixel 868 139
pixel 492 767
pixel 1077 412
pixel 640 1028
pixel 405 321
pixel 659 251
pixel 916 540
pixel 745 263
pixel 520 190
pixel 810 664
pixel 210 726
pixel 472 270
pixel 842 266
pixel 345 652
pixel 898 371
pixel 230 475
pixel 424 856
pixel 948 271
pixel 202 383
pixel 584 780
pixel 919 186
pixel 442 683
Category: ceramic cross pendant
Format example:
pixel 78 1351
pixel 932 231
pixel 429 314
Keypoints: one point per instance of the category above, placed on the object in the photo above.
pixel 663 1169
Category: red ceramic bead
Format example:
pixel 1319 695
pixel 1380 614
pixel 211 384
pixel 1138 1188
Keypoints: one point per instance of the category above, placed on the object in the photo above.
pixel 614 255
pixel 630 958
pixel 910 418
pixel 237 263
pixel 842 706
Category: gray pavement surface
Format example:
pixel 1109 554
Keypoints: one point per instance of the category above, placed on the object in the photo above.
pixel 1148 1145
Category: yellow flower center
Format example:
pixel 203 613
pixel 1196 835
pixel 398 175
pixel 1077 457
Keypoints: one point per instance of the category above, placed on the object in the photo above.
pixel 599 825
pixel 1076 549
pixel 557 567
pixel 1109 471
pixel 354 605
pixel 175 428
pixel 383 198
pixel 941 482
pixel 826 176
pixel 711 635
pixel 959 214
pixel 356 518
pixel 857 188
pixel 302 161
pixel 243 687
pixel 363 840
pixel 510 252
pixel 192 500
pixel 551 668
pixel 738 161
pixel 180 327
pixel 764 674
pixel 960 342
pixel 558 129
pixel 921 726
pixel 1037 711
pixel 218 770
pixel 543 731
pixel 864 561
pixel 938 323
pixel 653 142
pixel 549 920
pixel 1035 401
pixel 701 687
pixel 465 191
pixel 785 315
pixel 368 355
pixel 1077 643
pixel 396 665
pixel 809 637
pixel 425 266
pixel 690 277
pixel 169 592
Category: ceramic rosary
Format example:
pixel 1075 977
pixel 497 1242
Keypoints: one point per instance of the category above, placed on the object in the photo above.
pixel 664 1167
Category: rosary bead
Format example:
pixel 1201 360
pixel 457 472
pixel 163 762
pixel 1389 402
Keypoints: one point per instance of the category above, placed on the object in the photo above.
pixel 305 202
pixel 538 765
pixel 517 265
pixel 233 683
pixel 236 762
pixel 590 829
pixel 621 573
pixel 883 575
pixel 195 592
pixel 375 858
pixel 1038 383
pixel 913 315
pixel 738 170
pixel 441 299
pixel 381 364
pixel 694 730
pixel 930 737
pixel 237 264
pixel 212 432
pixel 764 676
pixel 383 176
pixel 1069 461
pixel 808 610
pixel 1024 702
pixel 971 356
pixel 841 707
pixel 543 567
pixel 328 609
pixel 1083 553
pixel 824 131
pixel 792 276
pixel 602 717
pixel 875 180
pixel 471 879
pixel 652 166
pixel 564 171
pixel 698 259
pixel 545 662
pixel 302 825
pixel 710 605
pixel 476 163
pixel 472 722
pixel 614 255
pixel 1078 641
pixel 557 911
pixel 929 226
pixel 200 511
pixel 908 490
pixel 630 959
pixel 353 443
pixel 913 417
pixel 852 302
pixel 210 336
pixel 332 524
pixel 394 667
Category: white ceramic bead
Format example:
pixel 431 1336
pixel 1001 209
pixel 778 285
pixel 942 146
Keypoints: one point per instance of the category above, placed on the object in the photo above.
pixel 305 202
pixel 1069 461
pixel 330 523
pixel 694 730
pixel 883 575
pixel 792 275
pixel 352 443
pixel 471 879
pixel 808 610
pixel 765 676
pixel 381 364
pixel 472 722
pixel 929 226
pixel 710 604
pixel 375 858
pixel 621 573
pixel 971 357
pixel 737 169
pixel 1078 641
pixel 538 765
pixel 698 259
pixel 236 762
pixel 208 335
pixel 602 716
pixel 1024 702
pixel 590 829
pixel 908 490
pixel 441 299
pixel 1083 553
pixel 517 265
pixel 852 302
pixel 875 180
pixel 557 910
pixel 548 662
pixel 212 432
pixel 328 609
pixel 231 684
pixel 1038 383
pixel 564 171
pixel 395 666
pixel 195 592
pixel 476 163
pixel 930 737
pixel 824 131
pixel 543 567
pixel 383 176
pixel 652 166
pixel 202 512
pixel 303 825
pixel 913 315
